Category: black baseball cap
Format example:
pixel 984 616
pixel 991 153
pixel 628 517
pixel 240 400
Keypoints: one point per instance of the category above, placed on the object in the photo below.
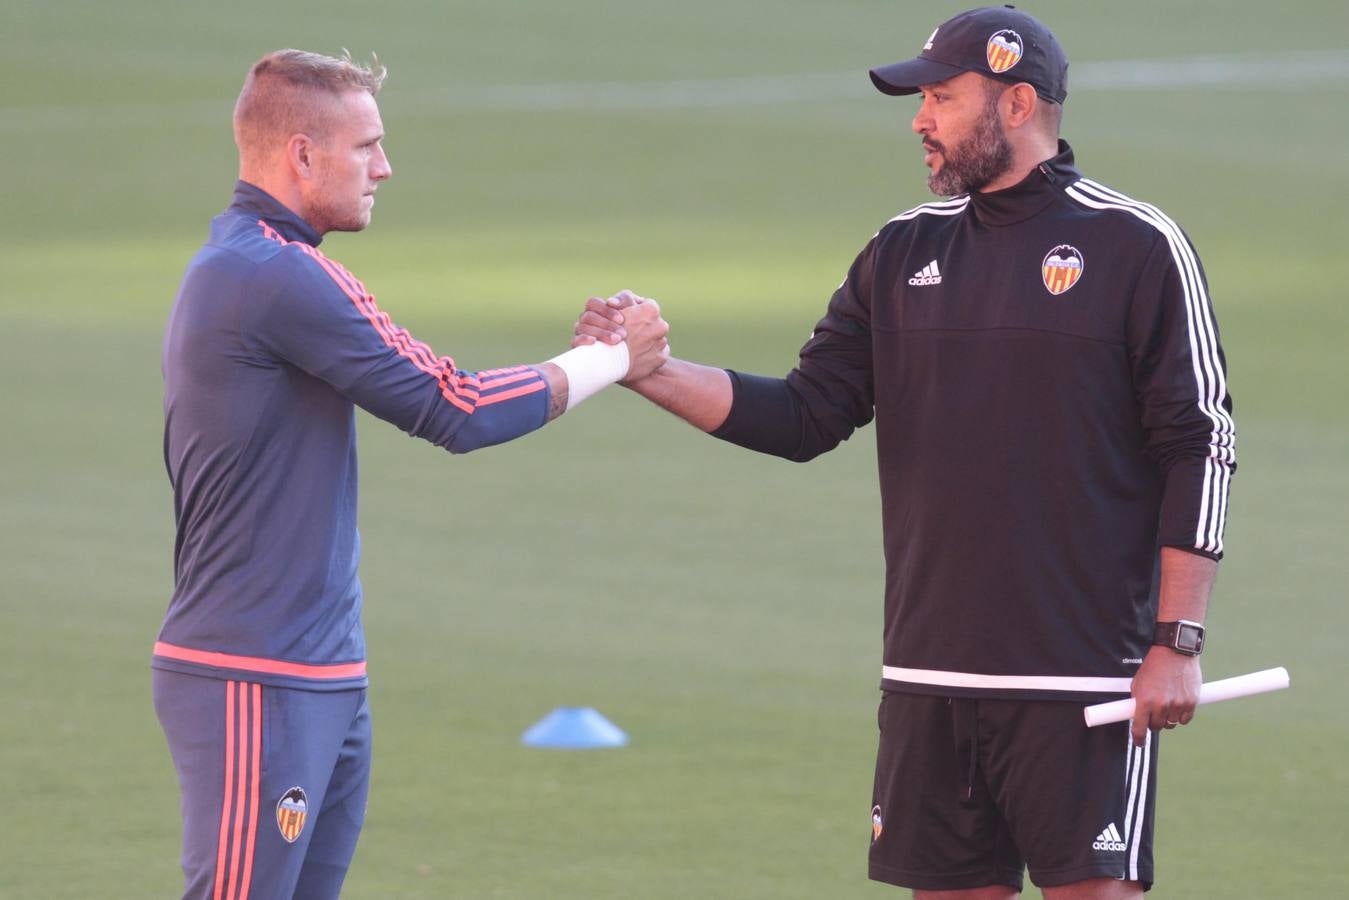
pixel 999 42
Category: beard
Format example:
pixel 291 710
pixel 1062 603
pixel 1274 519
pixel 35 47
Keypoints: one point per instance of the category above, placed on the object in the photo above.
pixel 972 164
pixel 327 214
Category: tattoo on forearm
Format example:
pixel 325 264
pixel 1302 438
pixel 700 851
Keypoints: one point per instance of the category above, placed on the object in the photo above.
pixel 557 388
pixel 557 401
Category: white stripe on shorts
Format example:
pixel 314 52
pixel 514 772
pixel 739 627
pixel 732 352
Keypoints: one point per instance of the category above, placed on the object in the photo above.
pixel 1136 778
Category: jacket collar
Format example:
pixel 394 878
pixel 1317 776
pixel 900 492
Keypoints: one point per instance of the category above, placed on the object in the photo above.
pixel 251 200
pixel 1030 195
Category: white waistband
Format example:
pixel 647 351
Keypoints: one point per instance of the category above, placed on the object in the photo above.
pixel 1007 682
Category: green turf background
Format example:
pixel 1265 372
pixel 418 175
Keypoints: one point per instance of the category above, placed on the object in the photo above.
pixel 722 608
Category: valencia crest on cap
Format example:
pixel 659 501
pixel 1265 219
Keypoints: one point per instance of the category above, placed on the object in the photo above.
pixel 1004 50
pixel 1062 267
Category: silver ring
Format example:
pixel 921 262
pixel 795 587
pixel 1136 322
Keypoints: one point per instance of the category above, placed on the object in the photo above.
pixel 1177 722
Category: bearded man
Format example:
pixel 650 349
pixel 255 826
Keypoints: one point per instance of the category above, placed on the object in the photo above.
pixel 1055 445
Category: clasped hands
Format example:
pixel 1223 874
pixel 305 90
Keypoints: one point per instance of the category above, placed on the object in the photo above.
pixel 626 317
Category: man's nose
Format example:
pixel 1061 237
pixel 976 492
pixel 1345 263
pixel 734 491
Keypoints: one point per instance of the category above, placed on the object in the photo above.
pixel 922 120
pixel 381 170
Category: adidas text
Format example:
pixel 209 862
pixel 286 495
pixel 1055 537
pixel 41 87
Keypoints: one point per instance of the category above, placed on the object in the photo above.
pixel 1109 840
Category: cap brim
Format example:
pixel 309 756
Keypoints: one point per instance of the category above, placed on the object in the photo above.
pixel 898 79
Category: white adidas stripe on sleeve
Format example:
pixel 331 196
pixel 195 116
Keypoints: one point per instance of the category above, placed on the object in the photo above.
pixel 1210 381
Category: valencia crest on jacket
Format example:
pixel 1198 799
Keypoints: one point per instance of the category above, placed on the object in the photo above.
pixel 1062 267
pixel 1004 50
pixel 291 811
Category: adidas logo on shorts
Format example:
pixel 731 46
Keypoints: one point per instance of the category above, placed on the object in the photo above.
pixel 1109 840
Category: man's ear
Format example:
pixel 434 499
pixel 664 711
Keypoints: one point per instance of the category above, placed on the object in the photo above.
pixel 1019 104
pixel 300 155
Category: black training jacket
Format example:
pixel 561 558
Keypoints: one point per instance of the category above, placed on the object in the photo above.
pixel 1051 407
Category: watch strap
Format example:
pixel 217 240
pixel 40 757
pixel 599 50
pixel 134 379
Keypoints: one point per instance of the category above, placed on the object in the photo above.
pixel 1182 636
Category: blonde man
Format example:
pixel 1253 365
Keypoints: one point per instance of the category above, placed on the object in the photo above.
pixel 259 669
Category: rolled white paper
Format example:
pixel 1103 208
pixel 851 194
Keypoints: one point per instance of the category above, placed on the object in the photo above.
pixel 1225 689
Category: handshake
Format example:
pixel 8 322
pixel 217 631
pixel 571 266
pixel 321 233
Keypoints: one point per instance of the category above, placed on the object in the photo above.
pixel 622 339
pixel 630 320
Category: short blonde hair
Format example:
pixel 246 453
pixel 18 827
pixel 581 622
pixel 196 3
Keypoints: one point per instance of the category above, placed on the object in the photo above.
pixel 281 94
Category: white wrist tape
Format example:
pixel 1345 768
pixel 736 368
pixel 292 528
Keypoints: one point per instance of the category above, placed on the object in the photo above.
pixel 591 368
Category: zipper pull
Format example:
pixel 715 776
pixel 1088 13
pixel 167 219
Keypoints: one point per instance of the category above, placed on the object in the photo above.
pixel 1044 170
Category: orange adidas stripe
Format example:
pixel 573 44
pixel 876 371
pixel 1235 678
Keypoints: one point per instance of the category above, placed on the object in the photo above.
pixel 259 664
pixel 240 783
pixel 400 339
pixel 229 778
pixel 255 780
pixel 513 393
pixel 416 352
pixel 365 299
pixel 461 390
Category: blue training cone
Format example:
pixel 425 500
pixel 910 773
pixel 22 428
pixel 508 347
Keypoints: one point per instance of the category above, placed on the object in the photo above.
pixel 574 728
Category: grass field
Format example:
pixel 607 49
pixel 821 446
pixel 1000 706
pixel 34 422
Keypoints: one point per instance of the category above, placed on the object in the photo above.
pixel 722 608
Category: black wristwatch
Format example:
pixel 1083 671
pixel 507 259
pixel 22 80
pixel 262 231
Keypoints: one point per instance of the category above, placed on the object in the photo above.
pixel 1182 636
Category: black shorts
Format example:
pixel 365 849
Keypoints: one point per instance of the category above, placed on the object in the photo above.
pixel 971 792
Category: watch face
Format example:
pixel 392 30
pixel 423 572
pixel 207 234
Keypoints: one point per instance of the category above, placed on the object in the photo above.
pixel 1189 637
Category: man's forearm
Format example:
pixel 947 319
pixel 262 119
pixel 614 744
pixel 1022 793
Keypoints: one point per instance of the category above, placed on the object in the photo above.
pixel 1186 583
pixel 1166 686
pixel 557 388
pixel 700 395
